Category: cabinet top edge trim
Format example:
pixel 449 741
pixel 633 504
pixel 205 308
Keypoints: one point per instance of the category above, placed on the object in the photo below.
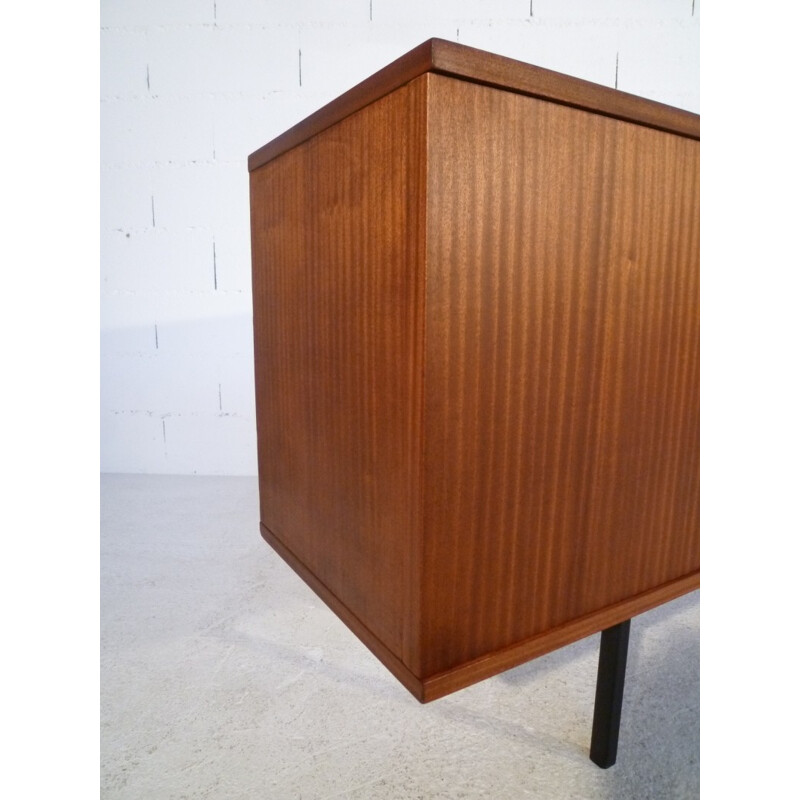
pixel 468 63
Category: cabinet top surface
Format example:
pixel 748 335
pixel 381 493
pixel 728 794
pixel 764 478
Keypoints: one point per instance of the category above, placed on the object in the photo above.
pixel 468 63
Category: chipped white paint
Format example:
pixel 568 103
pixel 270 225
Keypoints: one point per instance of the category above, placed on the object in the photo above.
pixel 189 88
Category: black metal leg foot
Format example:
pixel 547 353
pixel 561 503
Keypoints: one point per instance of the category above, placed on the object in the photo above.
pixel 608 699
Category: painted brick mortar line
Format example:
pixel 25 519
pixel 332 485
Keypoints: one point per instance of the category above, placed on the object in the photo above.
pixel 168 414
pixel 171 293
pixel 166 99
pixel 214 256
pixel 306 23
pixel 313 25
pixel 294 27
pixel 164 415
pixel 150 231
pixel 111 166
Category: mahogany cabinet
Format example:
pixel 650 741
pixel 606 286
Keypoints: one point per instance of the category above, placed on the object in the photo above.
pixel 476 317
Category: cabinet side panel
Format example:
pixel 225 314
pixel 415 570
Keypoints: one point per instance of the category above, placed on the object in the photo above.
pixel 561 372
pixel 337 245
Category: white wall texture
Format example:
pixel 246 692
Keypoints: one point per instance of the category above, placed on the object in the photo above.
pixel 189 88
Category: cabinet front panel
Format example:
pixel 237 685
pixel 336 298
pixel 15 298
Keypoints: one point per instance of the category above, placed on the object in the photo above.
pixel 561 367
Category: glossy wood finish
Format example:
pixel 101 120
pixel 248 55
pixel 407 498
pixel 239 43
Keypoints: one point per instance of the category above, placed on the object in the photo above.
pixel 337 292
pixel 476 339
pixel 413 64
pixel 561 366
pixel 467 63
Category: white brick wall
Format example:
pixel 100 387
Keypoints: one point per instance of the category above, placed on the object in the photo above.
pixel 189 88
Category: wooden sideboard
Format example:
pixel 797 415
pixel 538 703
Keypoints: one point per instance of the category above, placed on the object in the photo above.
pixel 476 317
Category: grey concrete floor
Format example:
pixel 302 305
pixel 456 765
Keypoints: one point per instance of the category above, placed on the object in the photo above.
pixel 224 676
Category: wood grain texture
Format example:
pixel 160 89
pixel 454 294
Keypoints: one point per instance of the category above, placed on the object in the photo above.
pixel 467 673
pixel 401 71
pixel 433 687
pixel 476 323
pixel 337 293
pixel 387 657
pixel 469 64
pixel 561 367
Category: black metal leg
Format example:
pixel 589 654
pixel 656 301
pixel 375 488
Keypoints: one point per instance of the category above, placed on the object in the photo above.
pixel 608 699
